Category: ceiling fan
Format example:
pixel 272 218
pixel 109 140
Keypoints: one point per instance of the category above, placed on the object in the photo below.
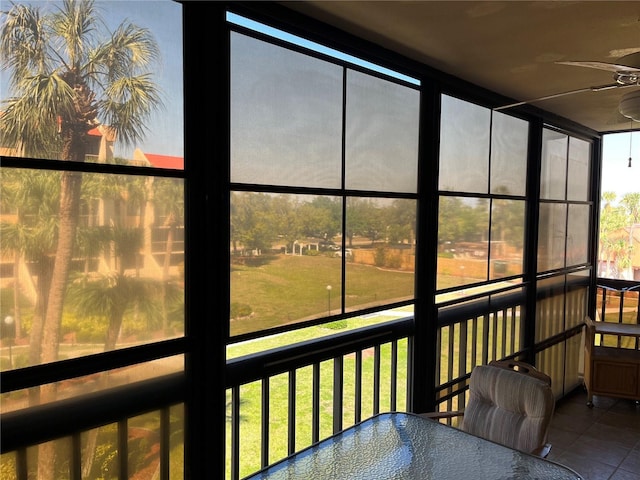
pixel 626 73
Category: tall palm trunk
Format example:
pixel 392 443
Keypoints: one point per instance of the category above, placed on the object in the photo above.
pixel 44 273
pixel 165 273
pixel 17 312
pixel 68 216
pixel 113 330
pixel 70 188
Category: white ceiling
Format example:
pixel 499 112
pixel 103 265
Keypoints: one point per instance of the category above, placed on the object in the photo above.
pixel 509 47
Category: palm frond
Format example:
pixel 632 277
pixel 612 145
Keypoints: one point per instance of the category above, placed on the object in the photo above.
pixel 24 43
pixel 130 50
pixel 74 24
pixel 30 119
pixel 129 102
pixel 56 64
pixel 100 295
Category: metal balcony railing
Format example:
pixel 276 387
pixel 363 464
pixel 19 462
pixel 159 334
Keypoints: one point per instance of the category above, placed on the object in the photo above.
pixel 282 400
pixel 617 302
pixel 141 421
pixel 285 399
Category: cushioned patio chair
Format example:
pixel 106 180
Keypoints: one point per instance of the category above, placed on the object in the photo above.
pixel 510 403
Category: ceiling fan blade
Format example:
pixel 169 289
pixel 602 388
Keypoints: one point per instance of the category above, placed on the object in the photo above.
pixel 610 67
pixel 555 95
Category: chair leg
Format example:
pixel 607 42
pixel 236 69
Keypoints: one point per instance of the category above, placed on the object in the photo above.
pixel 589 399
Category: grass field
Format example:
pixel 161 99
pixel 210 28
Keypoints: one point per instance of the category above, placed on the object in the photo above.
pixel 283 289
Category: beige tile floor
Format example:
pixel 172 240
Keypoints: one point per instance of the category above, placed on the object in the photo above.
pixel 600 443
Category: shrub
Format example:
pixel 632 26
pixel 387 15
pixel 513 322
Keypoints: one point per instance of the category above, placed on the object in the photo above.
pixel 380 256
pixel 394 261
pixel 337 325
pixel 239 310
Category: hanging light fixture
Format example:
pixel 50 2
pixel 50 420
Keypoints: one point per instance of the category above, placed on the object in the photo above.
pixel 630 105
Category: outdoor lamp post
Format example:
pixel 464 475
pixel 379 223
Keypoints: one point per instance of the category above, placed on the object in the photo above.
pixel 329 298
pixel 9 334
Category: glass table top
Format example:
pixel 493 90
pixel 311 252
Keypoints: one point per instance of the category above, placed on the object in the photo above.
pixel 406 446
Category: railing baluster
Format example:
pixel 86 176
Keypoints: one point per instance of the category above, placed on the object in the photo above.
pixel 462 360
pixel 462 350
pixel 485 339
pixel 165 442
pixel 438 365
pixel 75 462
pixel 22 472
pixel 357 408
pixel 338 387
pixel 514 330
pixel 409 375
pixel 264 426
pixel 474 342
pixel 291 418
pixel 451 349
pixel 123 450
pixel 394 375
pixel 503 343
pixel 235 432
pixel 376 380
pixel 451 329
pixel 494 331
pixel 315 414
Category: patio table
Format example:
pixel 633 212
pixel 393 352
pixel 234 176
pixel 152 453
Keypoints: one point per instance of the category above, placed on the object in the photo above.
pixel 407 446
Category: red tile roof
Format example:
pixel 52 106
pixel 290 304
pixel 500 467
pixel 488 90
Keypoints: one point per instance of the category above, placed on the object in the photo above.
pixel 165 161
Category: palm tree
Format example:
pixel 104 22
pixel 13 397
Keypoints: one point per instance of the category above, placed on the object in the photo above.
pixel 631 203
pixel 61 93
pixel 110 296
pixel 31 197
pixel 64 81
pixel 168 194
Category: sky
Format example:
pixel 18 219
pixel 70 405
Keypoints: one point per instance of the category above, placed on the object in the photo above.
pixel 617 177
pixel 163 18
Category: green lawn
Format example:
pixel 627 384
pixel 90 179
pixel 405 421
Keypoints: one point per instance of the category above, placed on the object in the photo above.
pixel 286 288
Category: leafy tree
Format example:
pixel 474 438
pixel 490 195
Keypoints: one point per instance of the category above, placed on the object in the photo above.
pixel 64 81
pixel 612 219
pixel 457 220
pixel 252 221
pixel 169 195
pixel 110 296
pixel 31 197
pixel 402 221
pixel 285 220
pixel 330 220
pixel 507 222
pixel 631 203
pixel 361 220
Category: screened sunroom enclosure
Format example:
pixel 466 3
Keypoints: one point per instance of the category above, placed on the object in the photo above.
pixel 360 231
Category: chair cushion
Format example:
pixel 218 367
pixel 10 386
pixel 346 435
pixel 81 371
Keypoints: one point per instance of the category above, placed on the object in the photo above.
pixel 508 407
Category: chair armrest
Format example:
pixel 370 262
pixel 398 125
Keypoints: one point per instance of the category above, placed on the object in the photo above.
pixel 438 415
